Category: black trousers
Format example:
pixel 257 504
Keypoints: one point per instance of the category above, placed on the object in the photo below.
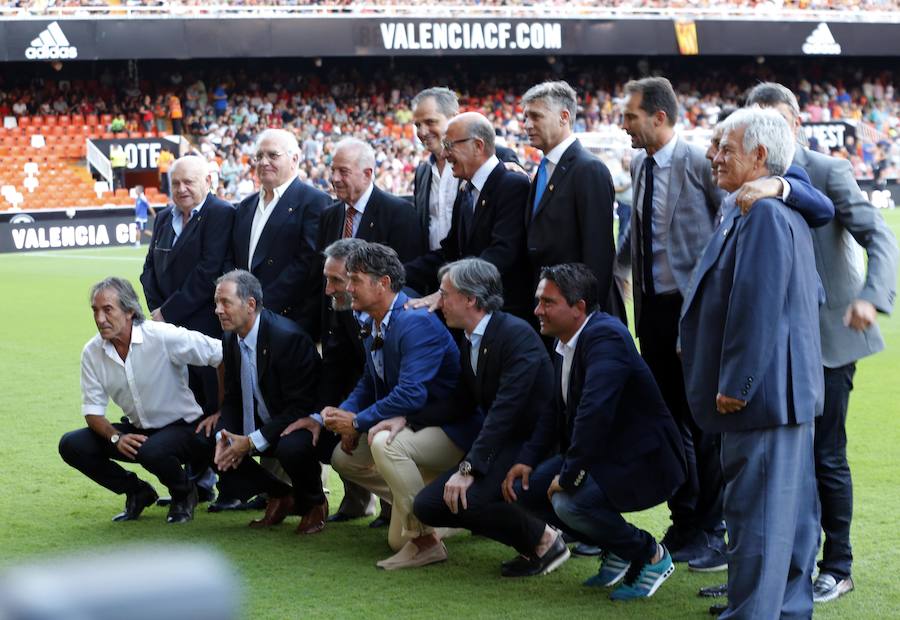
pixel 299 459
pixel 487 513
pixel 698 503
pixel 164 453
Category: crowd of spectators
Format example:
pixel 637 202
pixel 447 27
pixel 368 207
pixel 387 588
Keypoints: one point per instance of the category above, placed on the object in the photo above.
pixel 221 108
pixel 38 6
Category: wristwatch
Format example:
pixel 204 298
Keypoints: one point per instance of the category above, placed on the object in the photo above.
pixel 465 468
pixel 355 424
pixel 115 439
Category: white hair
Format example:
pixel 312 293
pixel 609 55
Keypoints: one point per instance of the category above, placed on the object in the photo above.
pixel 768 128
pixel 191 160
pixel 364 154
pixel 286 139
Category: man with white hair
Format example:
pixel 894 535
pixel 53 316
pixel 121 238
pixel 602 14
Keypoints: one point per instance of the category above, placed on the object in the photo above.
pixel 190 248
pixel 275 229
pixel 752 368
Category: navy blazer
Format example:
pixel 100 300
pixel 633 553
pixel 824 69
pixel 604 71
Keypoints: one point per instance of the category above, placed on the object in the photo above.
pixel 421 366
pixel 288 370
pixel 179 276
pixel 749 324
pixel 496 233
pixel 512 388
pixel 285 256
pixel 615 425
pixel 574 223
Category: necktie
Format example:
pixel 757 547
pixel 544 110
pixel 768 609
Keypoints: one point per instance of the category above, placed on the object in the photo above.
pixel 467 205
pixel 647 228
pixel 348 222
pixel 540 184
pixel 247 389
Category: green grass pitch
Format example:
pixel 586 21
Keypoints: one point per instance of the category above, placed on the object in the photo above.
pixel 48 509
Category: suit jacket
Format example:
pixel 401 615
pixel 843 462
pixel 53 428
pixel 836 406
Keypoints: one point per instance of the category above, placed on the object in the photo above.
pixel 512 388
pixel 343 357
pixel 179 276
pixel 288 369
pixel 615 425
pixel 422 187
pixel 421 366
pixel 496 233
pixel 573 222
pixel 840 265
pixel 748 324
pixel 285 256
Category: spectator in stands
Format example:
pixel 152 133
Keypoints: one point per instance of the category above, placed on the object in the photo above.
pixel 118 124
pixel 149 383
pixel 175 113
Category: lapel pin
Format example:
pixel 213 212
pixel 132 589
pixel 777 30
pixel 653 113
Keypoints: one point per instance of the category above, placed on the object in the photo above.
pixel 291 210
pixel 550 187
pixel 371 224
pixel 725 233
pixel 265 351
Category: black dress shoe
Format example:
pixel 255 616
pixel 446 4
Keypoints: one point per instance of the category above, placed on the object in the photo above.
pixel 379 521
pixel 530 566
pixel 714 591
pixel 340 517
pixel 586 550
pixel 205 495
pixel 136 502
pixel 224 503
pixel 718 609
pixel 182 509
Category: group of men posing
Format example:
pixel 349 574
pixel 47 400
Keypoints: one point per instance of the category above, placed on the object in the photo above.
pixel 435 390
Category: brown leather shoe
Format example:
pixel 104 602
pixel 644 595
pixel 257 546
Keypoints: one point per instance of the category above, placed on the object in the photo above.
pixel 276 510
pixel 314 520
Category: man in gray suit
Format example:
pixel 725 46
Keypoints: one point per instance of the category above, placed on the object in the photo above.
pixel 675 203
pixel 752 361
pixel 847 324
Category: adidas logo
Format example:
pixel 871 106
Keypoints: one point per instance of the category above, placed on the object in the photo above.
pixel 821 41
pixel 51 44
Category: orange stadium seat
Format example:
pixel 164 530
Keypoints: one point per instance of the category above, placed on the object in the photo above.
pixel 91 119
pixel 24 121
pixel 63 119
pixel 106 119
pixel 51 120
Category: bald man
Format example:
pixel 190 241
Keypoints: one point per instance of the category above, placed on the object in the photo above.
pixel 488 216
pixel 275 230
pixel 190 248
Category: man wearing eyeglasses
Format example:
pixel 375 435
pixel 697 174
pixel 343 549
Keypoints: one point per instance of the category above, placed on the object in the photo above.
pixel 488 216
pixel 275 229
pixel 389 444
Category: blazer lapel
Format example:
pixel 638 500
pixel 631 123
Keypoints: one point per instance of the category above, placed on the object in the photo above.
pixel 484 199
pixel 262 351
pixel 676 177
pixel 366 230
pixel 283 210
pixel 559 173
pixel 484 349
pixel 712 251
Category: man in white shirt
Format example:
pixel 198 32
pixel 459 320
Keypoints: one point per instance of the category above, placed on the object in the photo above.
pixel 142 366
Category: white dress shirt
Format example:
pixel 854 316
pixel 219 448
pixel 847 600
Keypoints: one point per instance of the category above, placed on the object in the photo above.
pixel 480 178
pixel 151 384
pixel 360 208
pixel 567 350
pixel 261 216
pixel 556 154
pixel 178 223
pixel 663 278
pixel 441 197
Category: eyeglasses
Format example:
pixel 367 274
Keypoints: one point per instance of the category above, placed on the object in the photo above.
pixel 261 156
pixel 449 144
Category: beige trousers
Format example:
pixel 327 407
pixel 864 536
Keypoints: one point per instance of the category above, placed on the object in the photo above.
pixel 396 472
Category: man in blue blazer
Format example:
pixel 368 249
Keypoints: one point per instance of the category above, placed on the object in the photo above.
pixel 190 248
pixel 620 449
pixel 275 230
pixel 752 359
pixel 387 445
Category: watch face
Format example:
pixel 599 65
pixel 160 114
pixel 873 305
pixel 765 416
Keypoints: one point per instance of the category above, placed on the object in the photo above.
pixel 115 438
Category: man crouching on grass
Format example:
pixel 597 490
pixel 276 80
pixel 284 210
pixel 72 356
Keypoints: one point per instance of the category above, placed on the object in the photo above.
pixel 142 366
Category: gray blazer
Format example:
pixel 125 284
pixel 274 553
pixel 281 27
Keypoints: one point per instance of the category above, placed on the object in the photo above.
pixel 693 201
pixel 839 262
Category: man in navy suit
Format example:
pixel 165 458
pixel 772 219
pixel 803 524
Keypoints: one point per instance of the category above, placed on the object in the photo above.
pixel 621 450
pixel 387 445
pixel 190 248
pixel 275 230
pixel 752 365
pixel 272 372
pixel 488 216
pixel 569 214
pixel 506 374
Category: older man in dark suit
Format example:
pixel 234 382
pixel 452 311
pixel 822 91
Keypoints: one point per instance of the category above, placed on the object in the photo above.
pixel 752 364
pixel 506 374
pixel 271 379
pixel 488 216
pixel 275 230
pixel 569 213
pixel 848 327
pixel 621 450
pixel 190 248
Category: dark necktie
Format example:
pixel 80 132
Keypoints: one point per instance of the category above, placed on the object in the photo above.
pixel 647 228
pixel 467 206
